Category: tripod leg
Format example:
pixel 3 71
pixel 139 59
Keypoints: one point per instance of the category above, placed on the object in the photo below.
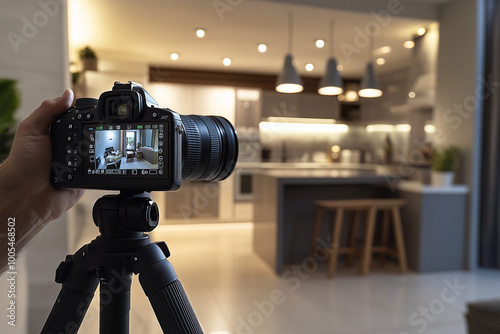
pixel 75 296
pixel 115 304
pixel 168 298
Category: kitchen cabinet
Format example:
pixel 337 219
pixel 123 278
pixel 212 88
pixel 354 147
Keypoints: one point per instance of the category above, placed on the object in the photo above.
pixel 306 105
pixel 434 226
pixel 192 201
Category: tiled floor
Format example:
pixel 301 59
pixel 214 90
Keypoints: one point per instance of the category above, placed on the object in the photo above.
pixel 234 291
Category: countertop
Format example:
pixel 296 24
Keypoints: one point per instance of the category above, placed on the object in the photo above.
pixel 303 165
pixel 427 189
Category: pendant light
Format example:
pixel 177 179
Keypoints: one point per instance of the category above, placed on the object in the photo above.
pixel 289 80
pixel 331 83
pixel 369 85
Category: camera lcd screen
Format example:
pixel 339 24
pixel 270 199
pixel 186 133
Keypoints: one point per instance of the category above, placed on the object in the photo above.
pixel 127 149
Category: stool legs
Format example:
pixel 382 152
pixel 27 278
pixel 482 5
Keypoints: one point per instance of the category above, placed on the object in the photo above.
pixel 337 229
pixel 385 235
pixel 317 226
pixel 367 249
pixel 400 244
pixel 353 234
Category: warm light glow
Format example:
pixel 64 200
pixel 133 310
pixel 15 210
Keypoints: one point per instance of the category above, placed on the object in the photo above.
pixel 335 148
pixel 409 44
pixel 226 61
pixel 380 61
pixel 79 34
pixel 350 96
pixel 429 128
pixel 276 119
pixel 383 50
pixel 370 92
pixel 174 56
pixel 380 128
pixel 309 67
pixel 200 33
pixel 421 31
pixel 262 47
pixel 330 90
pixel 411 95
pixel 289 88
pixel 320 43
pixel 294 128
pixel 340 68
pixel 388 128
pixel 403 127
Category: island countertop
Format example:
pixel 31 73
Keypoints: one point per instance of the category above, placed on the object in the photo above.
pixel 329 176
pixel 284 210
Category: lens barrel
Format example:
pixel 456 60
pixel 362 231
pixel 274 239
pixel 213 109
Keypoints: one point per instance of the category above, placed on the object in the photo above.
pixel 209 148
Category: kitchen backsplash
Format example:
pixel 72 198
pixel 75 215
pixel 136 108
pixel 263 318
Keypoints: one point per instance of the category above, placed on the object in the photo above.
pixel 314 144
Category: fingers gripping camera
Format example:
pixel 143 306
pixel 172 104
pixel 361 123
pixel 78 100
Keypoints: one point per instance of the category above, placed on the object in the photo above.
pixel 124 141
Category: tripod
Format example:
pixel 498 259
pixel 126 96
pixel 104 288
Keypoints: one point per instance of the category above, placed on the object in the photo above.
pixel 120 250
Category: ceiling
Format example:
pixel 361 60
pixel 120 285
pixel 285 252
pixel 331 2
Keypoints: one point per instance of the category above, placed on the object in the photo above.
pixel 148 31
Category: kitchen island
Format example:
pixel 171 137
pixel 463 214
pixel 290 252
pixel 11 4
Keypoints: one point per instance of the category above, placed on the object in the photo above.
pixel 284 212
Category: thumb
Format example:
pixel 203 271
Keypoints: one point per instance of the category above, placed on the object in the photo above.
pixel 45 114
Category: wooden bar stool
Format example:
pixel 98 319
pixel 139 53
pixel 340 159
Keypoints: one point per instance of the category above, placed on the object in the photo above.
pixel 391 207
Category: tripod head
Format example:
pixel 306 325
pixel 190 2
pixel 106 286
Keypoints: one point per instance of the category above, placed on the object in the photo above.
pixel 125 215
pixel 110 260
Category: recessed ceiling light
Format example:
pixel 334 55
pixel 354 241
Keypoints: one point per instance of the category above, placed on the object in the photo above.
pixel 226 61
pixel 380 61
pixel 200 33
pixel 421 31
pixel 340 68
pixel 174 56
pixel 262 47
pixel 383 50
pixel 320 43
pixel 309 67
pixel 411 95
pixel 409 44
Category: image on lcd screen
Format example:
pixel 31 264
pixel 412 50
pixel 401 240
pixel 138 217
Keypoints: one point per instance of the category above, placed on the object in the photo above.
pixel 133 149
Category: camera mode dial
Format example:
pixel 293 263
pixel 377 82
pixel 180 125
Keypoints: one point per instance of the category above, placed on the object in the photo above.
pixel 86 103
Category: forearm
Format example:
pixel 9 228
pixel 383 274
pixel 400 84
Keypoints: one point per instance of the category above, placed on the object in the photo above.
pixel 19 223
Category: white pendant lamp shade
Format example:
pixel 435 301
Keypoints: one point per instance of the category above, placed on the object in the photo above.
pixel 331 83
pixel 289 80
pixel 369 85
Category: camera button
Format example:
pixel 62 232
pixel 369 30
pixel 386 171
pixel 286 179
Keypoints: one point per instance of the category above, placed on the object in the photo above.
pixel 79 116
pixel 69 138
pixel 71 126
pixel 69 177
pixel 154 114
pixel 89 116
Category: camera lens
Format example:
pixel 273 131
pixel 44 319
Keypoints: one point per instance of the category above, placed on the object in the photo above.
pixel 209 148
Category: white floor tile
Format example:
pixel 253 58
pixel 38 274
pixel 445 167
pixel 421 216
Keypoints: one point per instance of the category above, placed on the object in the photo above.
pixel 234 292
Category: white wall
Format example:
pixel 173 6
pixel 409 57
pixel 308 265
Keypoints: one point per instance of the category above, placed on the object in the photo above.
pixel 40 65
pixel 455 114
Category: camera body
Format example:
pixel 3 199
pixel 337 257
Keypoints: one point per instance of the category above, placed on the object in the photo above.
pixel 123 141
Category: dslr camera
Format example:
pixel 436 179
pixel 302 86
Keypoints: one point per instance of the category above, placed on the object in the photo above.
pixel 124 141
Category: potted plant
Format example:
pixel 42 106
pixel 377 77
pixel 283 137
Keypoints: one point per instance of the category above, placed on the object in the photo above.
pixel 88 58
pixel 444 163
pixel 10 100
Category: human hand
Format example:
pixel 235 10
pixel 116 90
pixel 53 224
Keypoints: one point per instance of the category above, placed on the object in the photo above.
pixel 27 169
